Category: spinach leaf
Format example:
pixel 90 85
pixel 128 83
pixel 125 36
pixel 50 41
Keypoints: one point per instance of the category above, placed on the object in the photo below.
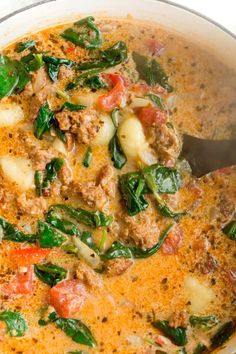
pixel 110 57
pixel 116 152
pixel 165 211
pixel 38 181
pixel 200 348
pixel 32 61
pixel 176 335
pixel 72 107
pixel 230 230
pixel 90 218
pixel 166 179
pixel 223 334
pixel 43 121
pixel 53 65
pixel 203 322
pixel 9 76
pixel 132 187
pixel 157 100
pixel 151 72
pixel 16 324
pixel 23 75
pixel 88 37
pixel 49 237
pixel 50 274
pixel 87 157
pixel 11 233
pixel 119 250
pixel 60 134
pixel 66 226
pixel 75 329
pixel 87 238
pixel 95 83
pixel 20 47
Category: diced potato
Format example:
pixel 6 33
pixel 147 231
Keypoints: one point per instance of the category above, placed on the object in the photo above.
pixel 198 294
pixel 59 146
pixel 18 170
pixel 106 132
pixel 132 137
pixel 139 102
pixel 10 114
pixel 89 99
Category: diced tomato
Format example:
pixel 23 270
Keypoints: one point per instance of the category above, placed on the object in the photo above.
pixel 71 49
pixel 154 46
pixel 151 115
pixel 173 241
pixel 115 96
pixel 143 89
pixel 29 256
pixel 21 284
pixel 68 297
pixel 231 276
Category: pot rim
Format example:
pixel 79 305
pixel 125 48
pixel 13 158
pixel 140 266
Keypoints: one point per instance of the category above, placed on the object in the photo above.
pixel 168 2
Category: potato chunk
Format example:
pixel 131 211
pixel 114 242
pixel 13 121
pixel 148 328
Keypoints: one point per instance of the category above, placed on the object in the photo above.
pixel 198 294
pixel 18 170
pixel 10 114
pixel 106 131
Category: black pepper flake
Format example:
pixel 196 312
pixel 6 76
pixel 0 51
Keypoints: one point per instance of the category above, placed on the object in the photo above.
pixel 104 319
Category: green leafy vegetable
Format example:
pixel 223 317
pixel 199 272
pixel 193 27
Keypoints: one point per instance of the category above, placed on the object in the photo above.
pixel 119 250
pixel 132 187
pixel 116 152
pixel 32 61
pixel 151 71
pixel 11 233
pixel 75 329
pixel 88 37
pixel 15 322
pixel 72 107
pixel 200 348
pixel 203 322
pixel 66 226
pixel 90 218
pixel 223 334
pixel 23 75
pixel 9 76
pixel 87 157
pixel 157 100
pixel 49 237
pixel 87 238
pixel 43 179
pixel 25 45
pixel 165 211
pixel 60 134
pixel 43 121
pixel 50 274
pixel 230 230
pixel 38 181
pixel 110 57
pixel 53 65
pixel 95 83
pixel 176 335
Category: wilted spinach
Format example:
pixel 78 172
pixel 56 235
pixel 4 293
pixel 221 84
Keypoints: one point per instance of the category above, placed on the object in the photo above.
pixel 230 230
pixel 87 157
pixel 157 100
pixel 88 37
pixel 20 47
pixel 49 273
pixel 151 72
pixel 95 83
pixel 203 322
pixel 72 107
pixel 43 179
pixel 48 236
pixel 176 335
pixel 53 65
pixel 9 76
pixel 16 324
pixel 223 334
pixel 66 226
pixel 11 233
pixel 43 121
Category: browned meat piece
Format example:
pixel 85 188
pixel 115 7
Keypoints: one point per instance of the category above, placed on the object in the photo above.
pixel 97 194
pixel 118 266
pixel 106 180
pixel 179 319
pixel 173 241
pixel 40 158
pixel 141 231
pixel 65 175
pixel 42 88
pixel 5 197
pixel 85 124
pixel 167 143
pixel 226 207
pixel 66 73
pixel 88 276
pixel 32 206
pixel 70 143
pixel 207 265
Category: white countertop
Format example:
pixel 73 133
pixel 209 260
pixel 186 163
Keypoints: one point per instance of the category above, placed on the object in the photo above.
pixel 222 11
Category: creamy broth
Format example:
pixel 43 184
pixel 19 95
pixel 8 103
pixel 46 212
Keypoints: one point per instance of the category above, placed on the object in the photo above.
pixel 124 299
